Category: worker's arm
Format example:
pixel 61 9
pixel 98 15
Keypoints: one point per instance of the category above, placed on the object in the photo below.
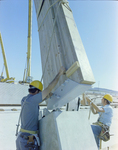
pixel 51 86
pixel 95 109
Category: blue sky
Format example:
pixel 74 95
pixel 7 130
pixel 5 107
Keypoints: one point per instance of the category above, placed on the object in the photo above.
pixel 97 23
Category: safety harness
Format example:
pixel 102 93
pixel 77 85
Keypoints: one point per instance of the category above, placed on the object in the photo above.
pixel 32 137
pixel 31 141
pixel 104 134
pixel 28 131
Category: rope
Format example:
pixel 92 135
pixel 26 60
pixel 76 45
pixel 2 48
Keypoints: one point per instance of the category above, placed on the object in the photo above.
pixel 90 109
pixel 65 3
pixel 92 100
pixel 50 39
pixel 46 14
pixel 20 117
pixel 61 2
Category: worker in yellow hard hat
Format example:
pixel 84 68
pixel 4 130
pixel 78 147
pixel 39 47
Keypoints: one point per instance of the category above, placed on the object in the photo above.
pixel 105 118
pixel 27 137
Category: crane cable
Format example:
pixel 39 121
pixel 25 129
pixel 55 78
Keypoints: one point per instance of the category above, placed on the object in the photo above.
pixel 61 2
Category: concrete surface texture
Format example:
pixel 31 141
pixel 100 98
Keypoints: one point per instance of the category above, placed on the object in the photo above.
pixel 12 93
pixel 60 43
pixel 9 119
pixel 66 131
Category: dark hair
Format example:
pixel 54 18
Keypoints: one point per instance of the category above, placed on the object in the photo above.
pixel 32 89
pixel 108 102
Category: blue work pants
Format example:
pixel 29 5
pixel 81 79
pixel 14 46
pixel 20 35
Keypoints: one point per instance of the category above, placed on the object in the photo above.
pixel 21 143
pixel 96 131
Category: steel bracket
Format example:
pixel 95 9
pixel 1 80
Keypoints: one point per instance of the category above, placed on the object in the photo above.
pixel 65 93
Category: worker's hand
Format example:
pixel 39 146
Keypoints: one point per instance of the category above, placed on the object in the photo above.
pixel 48 96
pixel 62 70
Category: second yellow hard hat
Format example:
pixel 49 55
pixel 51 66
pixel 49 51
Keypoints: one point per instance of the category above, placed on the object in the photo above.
pixel 108 97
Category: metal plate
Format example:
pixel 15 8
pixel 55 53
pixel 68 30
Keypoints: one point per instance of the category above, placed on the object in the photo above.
pixel 65 93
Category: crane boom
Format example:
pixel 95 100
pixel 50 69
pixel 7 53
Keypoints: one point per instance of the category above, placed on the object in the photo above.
pixel 29 40
pixel 27 71
pixel 4 57
pixel 7 79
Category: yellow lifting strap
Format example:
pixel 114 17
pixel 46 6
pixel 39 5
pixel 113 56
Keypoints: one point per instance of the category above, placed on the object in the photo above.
pixel 28 131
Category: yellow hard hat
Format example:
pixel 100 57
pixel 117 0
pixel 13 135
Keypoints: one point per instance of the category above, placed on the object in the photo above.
pixel 37 84
pixel 108 97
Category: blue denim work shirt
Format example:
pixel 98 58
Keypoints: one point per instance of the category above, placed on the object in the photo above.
pixel 30 111
pixel 106 117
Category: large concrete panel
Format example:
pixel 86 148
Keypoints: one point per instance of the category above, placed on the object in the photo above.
pixel 12 93
pixel 66 131
pixel 60 43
